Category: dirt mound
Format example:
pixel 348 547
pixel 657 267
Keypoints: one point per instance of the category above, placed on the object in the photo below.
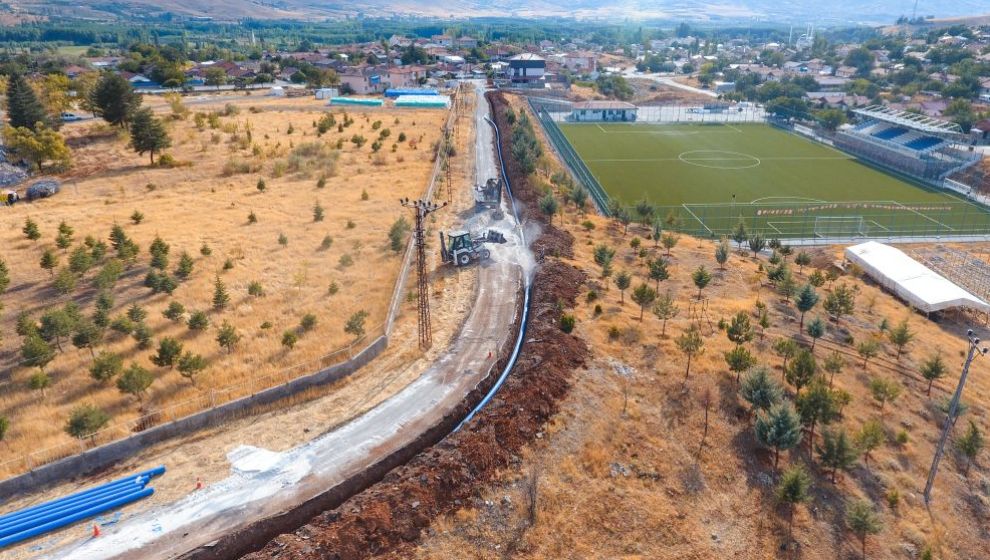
pixel 552 241
pixel 396 510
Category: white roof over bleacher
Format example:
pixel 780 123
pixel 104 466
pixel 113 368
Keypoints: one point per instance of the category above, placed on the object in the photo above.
pixel 909 120
pixel 912 281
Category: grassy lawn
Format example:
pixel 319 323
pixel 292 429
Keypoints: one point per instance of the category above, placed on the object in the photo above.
pixel 777 182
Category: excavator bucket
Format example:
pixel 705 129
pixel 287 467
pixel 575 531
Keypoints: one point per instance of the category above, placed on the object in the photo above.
pixel 494 237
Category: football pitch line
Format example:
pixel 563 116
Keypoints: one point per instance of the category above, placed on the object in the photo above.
pixel 656 130
pixel 927 217
pixel 761 158
pixel 700 221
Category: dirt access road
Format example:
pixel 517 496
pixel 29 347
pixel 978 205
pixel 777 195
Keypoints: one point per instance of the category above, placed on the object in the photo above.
pixel 264 483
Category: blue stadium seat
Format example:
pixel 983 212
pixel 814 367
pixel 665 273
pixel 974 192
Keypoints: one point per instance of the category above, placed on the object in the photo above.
pixel 924 143
pixel 890 133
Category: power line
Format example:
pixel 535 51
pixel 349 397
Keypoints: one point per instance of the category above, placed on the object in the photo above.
pixel 950 419
pixel 423 209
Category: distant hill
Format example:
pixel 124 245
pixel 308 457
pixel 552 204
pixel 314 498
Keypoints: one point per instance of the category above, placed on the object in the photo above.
pixel 797 11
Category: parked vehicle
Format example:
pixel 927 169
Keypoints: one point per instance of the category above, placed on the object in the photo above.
pixel 70 117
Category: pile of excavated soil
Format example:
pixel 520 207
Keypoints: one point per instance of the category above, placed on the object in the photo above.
pixel 396 510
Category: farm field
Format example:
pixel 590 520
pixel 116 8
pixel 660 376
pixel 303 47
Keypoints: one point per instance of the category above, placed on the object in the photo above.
pixel 292 224
pixel 784 185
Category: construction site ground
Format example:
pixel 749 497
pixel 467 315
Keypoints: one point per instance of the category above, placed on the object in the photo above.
pixel 610 460
pixel 330 267
pixel 203 456
pixel 624 470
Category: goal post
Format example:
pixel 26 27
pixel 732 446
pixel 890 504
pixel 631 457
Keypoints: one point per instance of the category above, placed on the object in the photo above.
pixel 827 227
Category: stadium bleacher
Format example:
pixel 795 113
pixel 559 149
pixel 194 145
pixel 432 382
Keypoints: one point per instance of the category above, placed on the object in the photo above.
pixel 908 143
pixel 890 133
pixel 924 143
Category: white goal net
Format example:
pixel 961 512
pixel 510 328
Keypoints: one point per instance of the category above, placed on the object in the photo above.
pixel 840 226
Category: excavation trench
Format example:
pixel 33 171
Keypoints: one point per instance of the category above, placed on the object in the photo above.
pixel 388 505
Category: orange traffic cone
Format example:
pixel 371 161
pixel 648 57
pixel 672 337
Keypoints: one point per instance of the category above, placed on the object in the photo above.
pixel 96 530
pixel 199 484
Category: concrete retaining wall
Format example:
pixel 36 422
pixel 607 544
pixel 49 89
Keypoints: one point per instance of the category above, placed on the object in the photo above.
pixel 105 455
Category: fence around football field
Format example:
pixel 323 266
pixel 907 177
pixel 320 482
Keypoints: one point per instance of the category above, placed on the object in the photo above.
pixel 964 216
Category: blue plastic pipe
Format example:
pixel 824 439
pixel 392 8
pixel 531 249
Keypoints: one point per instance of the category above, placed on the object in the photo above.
pixel 21 516
pixel 78 516
pixel 152 473
pixel 526 285
pixel 47 515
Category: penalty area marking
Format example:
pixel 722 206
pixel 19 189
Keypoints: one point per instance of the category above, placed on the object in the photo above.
pixel 787 198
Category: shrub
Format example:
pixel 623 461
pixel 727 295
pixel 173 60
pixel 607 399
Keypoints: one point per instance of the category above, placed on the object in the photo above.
pixel 355 324
pixel 106 366
pixel 397 233
pixel 174 311
pixel 85 420
pixel 308 322
pixel 122 324
pixel 346 260
pixel 326 243
pixel 256 289
pixel 198 321
pixel 137 217
pixel 289 339
pixel 567 323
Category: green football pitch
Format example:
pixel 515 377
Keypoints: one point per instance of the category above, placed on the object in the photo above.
pixel 710 176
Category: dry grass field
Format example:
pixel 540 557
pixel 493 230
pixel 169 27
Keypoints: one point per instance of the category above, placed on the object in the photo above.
pixel 330 268
pixel 626 470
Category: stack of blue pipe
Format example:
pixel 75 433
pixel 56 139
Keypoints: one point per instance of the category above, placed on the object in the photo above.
pixel 40 519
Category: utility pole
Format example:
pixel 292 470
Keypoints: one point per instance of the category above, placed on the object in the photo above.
pixel 423 209
pixel 950 419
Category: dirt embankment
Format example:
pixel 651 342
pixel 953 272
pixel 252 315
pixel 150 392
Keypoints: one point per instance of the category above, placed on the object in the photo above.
pixel 395 511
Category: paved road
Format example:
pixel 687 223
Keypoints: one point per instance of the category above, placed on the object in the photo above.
pixel 263 483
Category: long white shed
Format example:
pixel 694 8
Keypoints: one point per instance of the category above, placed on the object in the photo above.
pixel 910 280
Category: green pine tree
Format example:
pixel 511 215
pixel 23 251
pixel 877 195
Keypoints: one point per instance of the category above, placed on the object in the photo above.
pixel 148 134
pixel 23 107
pixel 115 100
pixel 779 429
pixel 836 451
pixel 221 298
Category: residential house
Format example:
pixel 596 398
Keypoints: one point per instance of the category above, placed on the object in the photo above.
pixel 831 83
pixel 934 108
pixel 580 61
pixel 443 40
pixel 836 99
pixel 466 43
pixel 405 76
pixel 363 80
pixel 527 68
pixel 846 71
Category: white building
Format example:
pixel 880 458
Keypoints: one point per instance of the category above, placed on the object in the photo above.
pixel 603 111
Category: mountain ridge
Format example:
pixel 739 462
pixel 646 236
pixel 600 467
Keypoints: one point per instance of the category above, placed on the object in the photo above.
pixel 803 11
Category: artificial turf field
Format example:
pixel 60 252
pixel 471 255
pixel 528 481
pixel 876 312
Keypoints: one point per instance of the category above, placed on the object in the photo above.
pixel 784 185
